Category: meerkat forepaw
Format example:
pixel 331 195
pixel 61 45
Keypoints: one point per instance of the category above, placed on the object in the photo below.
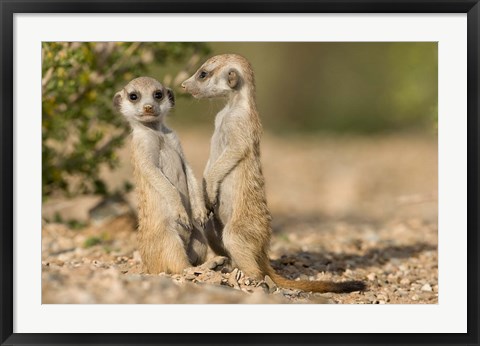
pixel 211 201
pixel 211 204
pixel 209 195
pixel 201 216
pixel 184 220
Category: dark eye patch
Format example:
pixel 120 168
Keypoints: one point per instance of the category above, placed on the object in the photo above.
pixel 133 96
pixel 203 74
pixel 158 95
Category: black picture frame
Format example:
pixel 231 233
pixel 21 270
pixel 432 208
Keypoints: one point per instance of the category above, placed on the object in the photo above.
pixel 9 7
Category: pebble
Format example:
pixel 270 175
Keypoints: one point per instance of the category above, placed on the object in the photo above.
pixel 371 276
pixel 383 298
pixel 426 288
pixel 289 292
pixel 272 287
pixel 190 277
pixel 232 279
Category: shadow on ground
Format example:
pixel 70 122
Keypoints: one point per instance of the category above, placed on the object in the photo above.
pixel 311 263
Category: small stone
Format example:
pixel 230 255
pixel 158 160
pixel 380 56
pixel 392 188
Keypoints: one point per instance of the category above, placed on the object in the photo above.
pixel 288 292
pixel 380 296
pixel 272 287
pixel 232 279
pixel 58 262
pixel 190 276
pixel 371 276
pixel 414 297
pixel 426 288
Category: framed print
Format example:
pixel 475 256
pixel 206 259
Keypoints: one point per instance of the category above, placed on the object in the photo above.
pixel 289 173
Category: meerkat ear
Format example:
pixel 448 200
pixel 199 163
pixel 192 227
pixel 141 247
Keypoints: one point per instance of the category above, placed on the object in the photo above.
pixel 233 78
pixel 171 96
pixel 117 100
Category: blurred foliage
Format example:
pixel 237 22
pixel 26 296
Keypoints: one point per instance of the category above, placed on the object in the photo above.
pixel 91 241
pixel 80 130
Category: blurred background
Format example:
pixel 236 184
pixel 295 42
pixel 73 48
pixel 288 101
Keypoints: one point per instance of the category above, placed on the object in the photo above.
pixel 349 148
pixel 358 88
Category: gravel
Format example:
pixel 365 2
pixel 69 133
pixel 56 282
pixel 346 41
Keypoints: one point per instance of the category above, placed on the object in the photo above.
pixel 343 209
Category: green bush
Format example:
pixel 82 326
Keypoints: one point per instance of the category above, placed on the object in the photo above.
pixel 80 130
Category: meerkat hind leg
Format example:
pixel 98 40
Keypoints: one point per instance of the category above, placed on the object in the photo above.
pixel 242 254
pixel 213 232
pixel 167 254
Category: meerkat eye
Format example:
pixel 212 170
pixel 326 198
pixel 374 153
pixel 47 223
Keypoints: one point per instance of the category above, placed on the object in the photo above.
pixel 133 96
pixel 158 95
pixel 202 74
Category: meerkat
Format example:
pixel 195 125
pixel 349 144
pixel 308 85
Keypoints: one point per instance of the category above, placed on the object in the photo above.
pixel 168 194
pixel 233 182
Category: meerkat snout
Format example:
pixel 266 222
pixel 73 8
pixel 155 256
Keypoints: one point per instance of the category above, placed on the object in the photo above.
pixel 148 108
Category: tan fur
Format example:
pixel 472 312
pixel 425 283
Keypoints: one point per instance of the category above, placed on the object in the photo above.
pixel 168 196
pixel 234 187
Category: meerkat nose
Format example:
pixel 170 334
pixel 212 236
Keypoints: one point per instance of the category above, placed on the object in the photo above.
pixel 147 108
pixel 183 85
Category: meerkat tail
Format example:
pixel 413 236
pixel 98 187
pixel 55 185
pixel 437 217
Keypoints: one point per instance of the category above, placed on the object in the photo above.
pixel 317 286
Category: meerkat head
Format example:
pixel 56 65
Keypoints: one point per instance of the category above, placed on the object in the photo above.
pixel 220 76
pixel 144 100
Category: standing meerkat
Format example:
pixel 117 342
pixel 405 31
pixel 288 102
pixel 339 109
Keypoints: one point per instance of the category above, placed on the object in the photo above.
pixel 166 187
pixel 233 183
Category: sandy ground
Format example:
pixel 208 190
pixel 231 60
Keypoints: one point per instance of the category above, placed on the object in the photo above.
pixel 343 208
